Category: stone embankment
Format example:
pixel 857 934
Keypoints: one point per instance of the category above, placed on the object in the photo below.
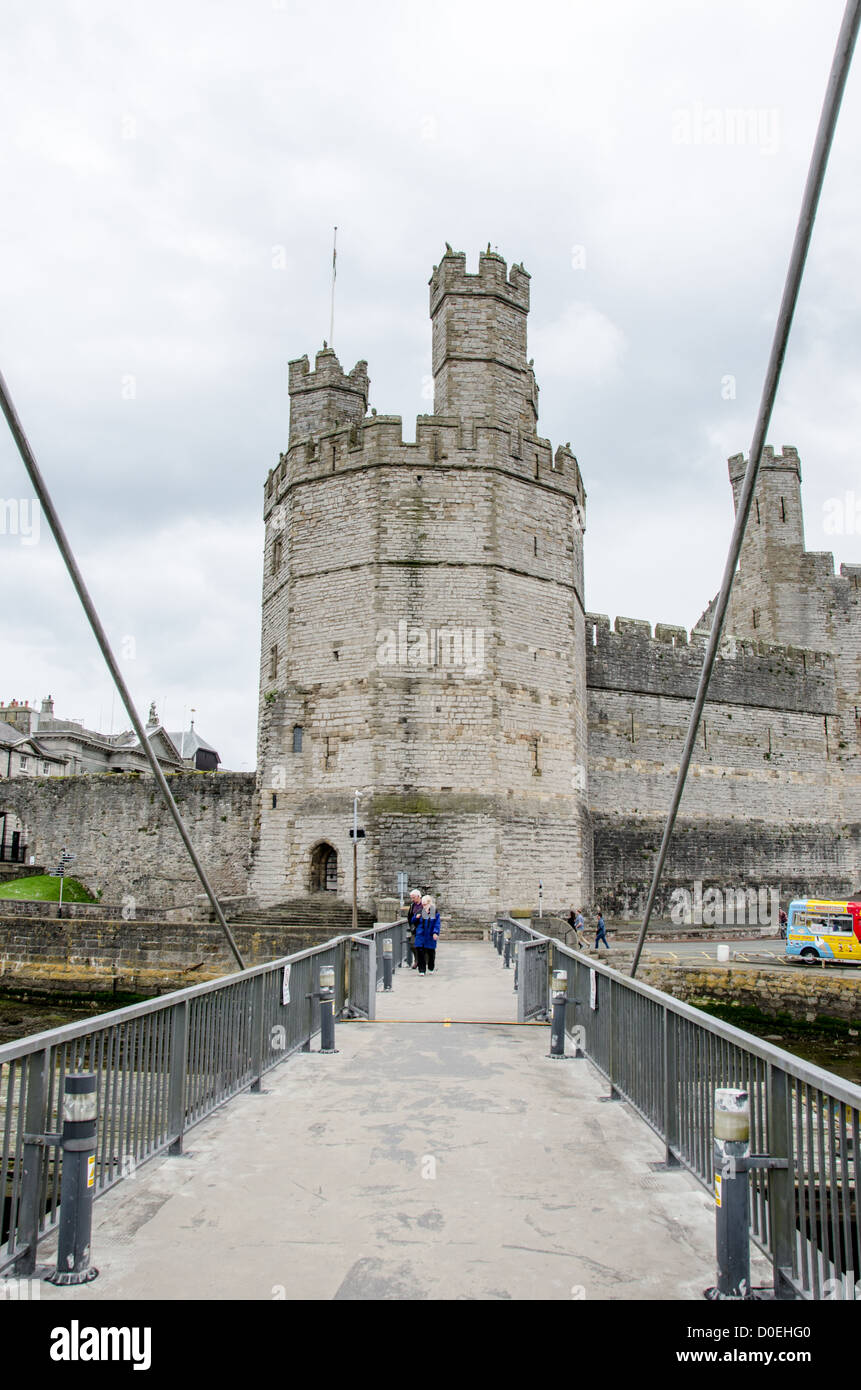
pixel 806 993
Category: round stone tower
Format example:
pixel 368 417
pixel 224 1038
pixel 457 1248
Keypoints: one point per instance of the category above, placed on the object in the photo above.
pixel 423 629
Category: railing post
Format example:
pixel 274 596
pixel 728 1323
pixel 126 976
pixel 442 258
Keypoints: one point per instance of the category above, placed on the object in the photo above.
pixel 781 1183
pixel 33 1160
pixel 258 997
pixel 372 980
pixel 178 1071
pixel 611 1037
pixel 671 1092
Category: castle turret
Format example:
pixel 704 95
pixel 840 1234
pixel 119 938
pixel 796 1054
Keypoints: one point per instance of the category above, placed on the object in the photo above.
pixel 772 549
pixel 433 656
pixel 327 397
pixel 480 367
pixel 776 518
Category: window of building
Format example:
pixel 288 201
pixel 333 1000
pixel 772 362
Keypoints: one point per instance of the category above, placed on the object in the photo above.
pixel 297 738
pixel 276 554
pixel 46 768
pixel 25 762
pixel 273 662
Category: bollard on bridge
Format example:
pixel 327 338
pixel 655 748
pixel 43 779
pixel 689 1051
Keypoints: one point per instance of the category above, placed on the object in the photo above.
pixel 326 994
pixel 733 1161
pixel 78 1144
pixel 559 990
pixel 507 951
pixel 387 963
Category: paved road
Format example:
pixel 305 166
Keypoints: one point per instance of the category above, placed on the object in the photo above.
pixel 423 1161
pixel 769 953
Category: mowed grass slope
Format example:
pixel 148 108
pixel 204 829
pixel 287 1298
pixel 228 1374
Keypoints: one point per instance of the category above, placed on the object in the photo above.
pixel 44 888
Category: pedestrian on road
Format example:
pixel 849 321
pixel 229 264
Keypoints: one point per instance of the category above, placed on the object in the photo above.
pixel 427 935
pixel 414 911
pixel 601 933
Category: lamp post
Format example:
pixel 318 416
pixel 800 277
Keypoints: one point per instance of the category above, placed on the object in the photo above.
pixel 355 862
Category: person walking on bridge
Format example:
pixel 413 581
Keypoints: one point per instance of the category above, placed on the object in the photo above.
pixel 427 935
pixel 414 911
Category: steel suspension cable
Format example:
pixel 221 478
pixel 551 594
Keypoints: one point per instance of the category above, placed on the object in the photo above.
pixel 101 637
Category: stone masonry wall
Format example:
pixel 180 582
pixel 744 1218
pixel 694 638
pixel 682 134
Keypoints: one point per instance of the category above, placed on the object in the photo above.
pixel 125 838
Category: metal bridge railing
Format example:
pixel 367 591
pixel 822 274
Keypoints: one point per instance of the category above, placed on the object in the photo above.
pixel 161 1066
pixel 667 1059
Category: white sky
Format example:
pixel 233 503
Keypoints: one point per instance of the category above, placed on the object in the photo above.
pixel 171 175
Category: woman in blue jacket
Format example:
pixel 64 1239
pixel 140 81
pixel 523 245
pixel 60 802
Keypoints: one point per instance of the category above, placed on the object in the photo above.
pixel 427 935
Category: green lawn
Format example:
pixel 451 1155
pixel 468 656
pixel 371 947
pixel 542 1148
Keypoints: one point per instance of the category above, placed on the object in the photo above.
pixel 46 889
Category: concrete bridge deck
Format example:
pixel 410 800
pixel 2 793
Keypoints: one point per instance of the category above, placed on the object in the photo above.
pixel 426 1160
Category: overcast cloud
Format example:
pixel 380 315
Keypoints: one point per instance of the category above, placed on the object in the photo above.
pixel 170 178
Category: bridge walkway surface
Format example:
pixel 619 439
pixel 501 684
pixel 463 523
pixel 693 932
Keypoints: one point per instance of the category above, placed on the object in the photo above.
pixel 438 1155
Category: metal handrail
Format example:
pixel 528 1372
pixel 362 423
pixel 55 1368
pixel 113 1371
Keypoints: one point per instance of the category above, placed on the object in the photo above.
pixel 666 1057
pixel 163 1065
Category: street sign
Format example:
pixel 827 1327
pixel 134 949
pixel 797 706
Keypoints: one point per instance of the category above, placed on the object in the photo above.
pixel 359 835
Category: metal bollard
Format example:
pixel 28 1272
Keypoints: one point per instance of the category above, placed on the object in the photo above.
pixel 516 963
pixel 327 1008
pixel 387 963
pixel 557 1024
pixel 507 954
pixel 499 934
pixel 732 1216
pixel 78 1142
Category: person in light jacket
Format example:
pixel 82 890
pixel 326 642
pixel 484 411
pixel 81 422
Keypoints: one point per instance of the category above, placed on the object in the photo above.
pixel 427 935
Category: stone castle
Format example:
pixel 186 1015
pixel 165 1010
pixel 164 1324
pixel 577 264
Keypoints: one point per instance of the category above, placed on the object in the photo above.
pixel 424 641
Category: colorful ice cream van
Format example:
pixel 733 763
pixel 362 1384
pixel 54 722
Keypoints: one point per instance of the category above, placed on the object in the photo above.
pixel 824 929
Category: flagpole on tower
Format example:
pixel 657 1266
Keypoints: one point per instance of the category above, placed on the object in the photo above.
pixel 332 315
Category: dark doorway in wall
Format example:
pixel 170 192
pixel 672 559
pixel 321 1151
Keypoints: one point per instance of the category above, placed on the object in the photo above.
pixel 324 869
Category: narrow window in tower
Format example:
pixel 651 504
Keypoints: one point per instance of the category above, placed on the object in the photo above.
pixel 297 738
pixel 274 800
pixel 705 735
pixel 535 545
pixel 536 757
pixel 276 554
pixel 273 662
pixel 782 510
pixel 756 503
pixel 756 617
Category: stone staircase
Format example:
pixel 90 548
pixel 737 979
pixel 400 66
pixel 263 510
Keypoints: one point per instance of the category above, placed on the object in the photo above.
pixel 320 912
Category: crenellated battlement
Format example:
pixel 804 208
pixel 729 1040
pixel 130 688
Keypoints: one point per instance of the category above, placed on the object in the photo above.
pixel 630 658
pixel 442 441
pixel 327 396
pixel 493 278
pixel 788 459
